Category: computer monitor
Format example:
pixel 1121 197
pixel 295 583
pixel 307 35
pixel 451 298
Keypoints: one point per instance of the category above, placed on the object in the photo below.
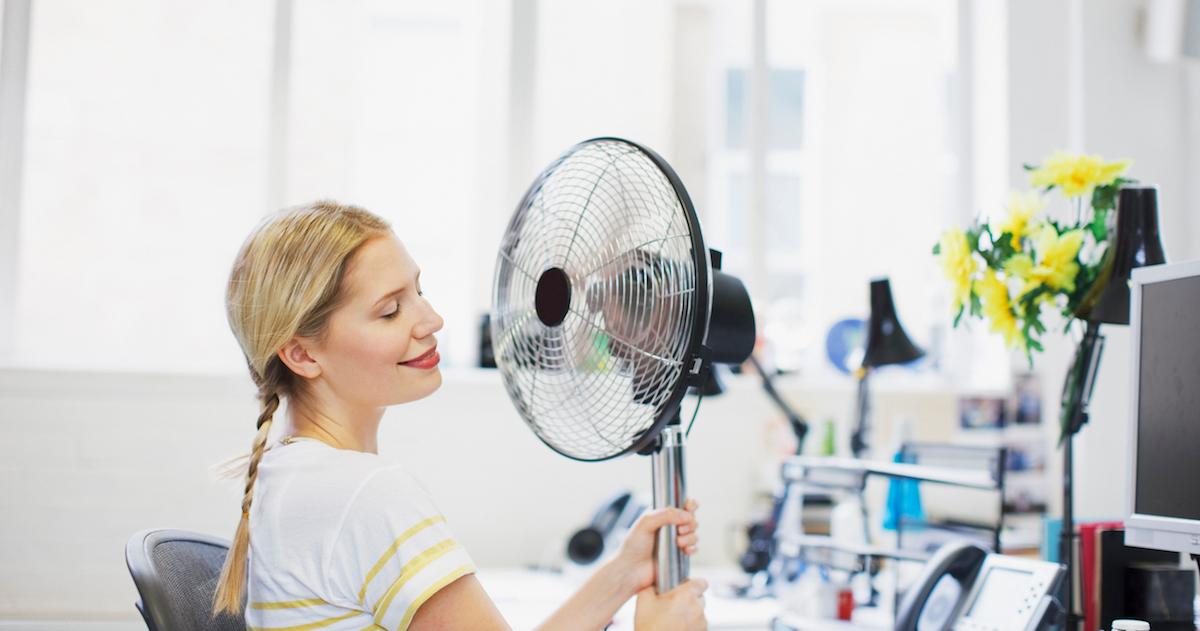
pixel 1164 446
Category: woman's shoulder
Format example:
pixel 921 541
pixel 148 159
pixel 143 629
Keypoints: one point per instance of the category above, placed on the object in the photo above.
pixel 329 468
pixel 359 486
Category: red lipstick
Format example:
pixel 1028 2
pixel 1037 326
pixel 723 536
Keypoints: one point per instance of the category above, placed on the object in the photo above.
pixel 429 359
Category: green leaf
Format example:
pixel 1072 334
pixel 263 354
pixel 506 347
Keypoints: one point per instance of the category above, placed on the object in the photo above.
pixel 976 305
pixel 1099 225
pixel 973 238
pixel 1003 249
pixel 937 249
pixel 1104 197
pixel 958 316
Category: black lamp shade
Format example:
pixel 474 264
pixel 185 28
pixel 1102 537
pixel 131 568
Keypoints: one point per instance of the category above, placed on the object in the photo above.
pixel 1137 244
pixel 887 343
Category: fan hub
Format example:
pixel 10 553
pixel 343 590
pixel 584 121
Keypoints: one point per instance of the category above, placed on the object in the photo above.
pixel 552 298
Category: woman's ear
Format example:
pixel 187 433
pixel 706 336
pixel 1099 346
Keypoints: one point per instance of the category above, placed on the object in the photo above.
pixel 295 356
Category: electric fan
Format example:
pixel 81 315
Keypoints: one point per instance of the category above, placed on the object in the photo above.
pixel 606 307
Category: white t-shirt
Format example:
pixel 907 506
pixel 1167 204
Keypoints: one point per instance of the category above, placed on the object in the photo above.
pixel 341 539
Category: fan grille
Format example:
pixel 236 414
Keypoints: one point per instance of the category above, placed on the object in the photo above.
pixel 609 218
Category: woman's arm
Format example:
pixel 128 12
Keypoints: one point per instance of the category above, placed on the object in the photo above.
pixel 460 605
pixel 627 574
pixel 464 604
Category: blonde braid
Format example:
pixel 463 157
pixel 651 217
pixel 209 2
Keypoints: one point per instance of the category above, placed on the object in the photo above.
pixel 285 283
pixel 233 573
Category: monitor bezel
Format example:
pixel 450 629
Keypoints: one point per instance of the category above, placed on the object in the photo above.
pixel 1156 531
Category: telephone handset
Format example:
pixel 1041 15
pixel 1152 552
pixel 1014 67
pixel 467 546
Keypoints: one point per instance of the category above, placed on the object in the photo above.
pixel 964 588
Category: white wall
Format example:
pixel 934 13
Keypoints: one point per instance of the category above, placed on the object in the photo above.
pixel 87 459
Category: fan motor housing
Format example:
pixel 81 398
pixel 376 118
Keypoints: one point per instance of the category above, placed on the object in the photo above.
pixel 552 298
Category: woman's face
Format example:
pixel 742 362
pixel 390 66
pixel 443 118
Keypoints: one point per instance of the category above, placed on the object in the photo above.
pixel 384 324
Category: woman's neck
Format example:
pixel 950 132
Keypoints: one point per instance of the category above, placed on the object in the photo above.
pixel 341 430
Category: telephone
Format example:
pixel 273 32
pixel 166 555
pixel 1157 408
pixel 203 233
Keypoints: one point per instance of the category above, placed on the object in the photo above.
pixel 965 588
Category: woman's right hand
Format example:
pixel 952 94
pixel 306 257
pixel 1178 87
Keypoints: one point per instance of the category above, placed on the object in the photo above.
pixel 681 609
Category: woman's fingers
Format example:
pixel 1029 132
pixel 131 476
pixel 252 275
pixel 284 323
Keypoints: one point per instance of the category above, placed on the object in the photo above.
pixel 656 519
pixel 686 541
pixel 696 585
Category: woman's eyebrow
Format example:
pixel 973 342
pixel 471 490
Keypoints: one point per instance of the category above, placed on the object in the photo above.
pixel 395 291
pixel 386 296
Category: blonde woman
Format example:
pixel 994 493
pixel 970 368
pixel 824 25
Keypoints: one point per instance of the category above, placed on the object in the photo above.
pixel 326 304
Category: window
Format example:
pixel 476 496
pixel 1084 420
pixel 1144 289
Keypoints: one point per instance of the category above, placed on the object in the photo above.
pixel 859 164
pixel 390 110
pixel 145 165
pixel 151 129
pixel 148 161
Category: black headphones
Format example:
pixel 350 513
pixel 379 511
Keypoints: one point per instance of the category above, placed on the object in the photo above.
pixel 614 517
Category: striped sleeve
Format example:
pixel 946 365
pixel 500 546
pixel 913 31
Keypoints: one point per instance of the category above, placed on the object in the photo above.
pixel 394 550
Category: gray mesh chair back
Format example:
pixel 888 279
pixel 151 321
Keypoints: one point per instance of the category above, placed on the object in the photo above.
pixel 176 574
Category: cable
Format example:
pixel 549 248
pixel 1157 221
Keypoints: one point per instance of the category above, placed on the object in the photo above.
pixel 699 398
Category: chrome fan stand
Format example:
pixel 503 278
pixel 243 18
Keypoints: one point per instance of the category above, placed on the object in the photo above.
pixel 670 491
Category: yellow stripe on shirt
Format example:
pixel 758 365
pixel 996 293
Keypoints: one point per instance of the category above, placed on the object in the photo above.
pixel 311 625
pixel 387 555
pixel 288 604
pixel 409 570
pixel 446 580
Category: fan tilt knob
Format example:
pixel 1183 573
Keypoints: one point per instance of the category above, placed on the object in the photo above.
pixel 553 296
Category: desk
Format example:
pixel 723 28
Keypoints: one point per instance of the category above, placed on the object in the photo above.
pixel 788 622
pixel 528 597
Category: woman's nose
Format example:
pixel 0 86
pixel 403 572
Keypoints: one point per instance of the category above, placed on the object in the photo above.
pixel 430 323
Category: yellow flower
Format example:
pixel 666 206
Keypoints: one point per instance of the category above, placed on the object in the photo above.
pixel 1076 174
pixel 1021 208
pixel 1056 266
pixel 958 264
pixel 997 307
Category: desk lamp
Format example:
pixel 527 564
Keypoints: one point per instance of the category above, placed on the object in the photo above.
pixel 1137 244
pixel 887 344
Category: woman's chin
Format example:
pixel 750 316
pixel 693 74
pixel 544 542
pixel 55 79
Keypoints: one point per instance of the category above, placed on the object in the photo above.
pixel 429 383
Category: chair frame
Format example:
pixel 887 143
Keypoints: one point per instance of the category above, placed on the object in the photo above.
pixel 138 557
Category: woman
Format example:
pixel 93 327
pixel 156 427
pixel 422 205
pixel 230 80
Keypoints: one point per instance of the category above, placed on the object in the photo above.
pixel 326 304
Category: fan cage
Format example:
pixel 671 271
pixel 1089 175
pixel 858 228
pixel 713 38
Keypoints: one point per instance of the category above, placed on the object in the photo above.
pixel 617 220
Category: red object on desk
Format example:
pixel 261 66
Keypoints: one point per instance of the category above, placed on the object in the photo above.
pixel 1089 569
pixel 845 604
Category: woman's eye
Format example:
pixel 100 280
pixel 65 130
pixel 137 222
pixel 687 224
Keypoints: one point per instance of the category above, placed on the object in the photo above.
pixel 393 314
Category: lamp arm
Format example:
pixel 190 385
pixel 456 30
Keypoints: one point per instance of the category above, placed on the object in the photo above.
pixel 1077 388
pixel 862 412
pixel 799 425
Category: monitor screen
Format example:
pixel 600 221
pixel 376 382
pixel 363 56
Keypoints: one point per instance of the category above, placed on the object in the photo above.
pixel 999 596
pixel 1168 400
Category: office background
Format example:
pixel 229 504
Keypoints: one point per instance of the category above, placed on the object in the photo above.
pixel 825 142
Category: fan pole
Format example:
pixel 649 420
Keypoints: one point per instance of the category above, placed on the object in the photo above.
pixel 669 491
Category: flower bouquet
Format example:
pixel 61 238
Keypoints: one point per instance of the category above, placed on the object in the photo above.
pixel 1012 271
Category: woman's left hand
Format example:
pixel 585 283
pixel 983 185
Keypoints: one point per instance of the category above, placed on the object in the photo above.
pixel 635 560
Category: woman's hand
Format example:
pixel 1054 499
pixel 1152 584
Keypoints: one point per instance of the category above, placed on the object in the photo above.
pixel 635 560
pixel 681 609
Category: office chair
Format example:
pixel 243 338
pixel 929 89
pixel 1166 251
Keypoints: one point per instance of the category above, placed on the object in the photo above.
pixel 176 574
